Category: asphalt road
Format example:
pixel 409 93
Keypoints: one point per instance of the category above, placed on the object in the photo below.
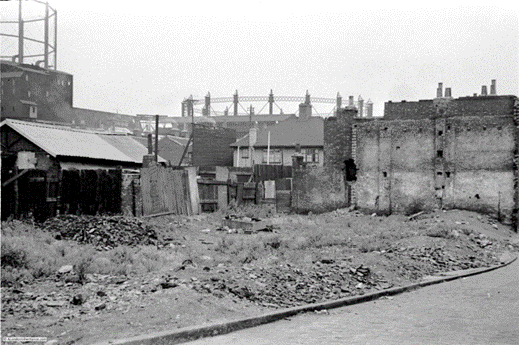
pixel 482 309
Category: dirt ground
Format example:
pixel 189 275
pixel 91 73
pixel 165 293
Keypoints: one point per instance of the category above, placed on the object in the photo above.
pixel 220 274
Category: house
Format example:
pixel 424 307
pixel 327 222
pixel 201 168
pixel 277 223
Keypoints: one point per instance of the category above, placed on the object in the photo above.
pixel 276 144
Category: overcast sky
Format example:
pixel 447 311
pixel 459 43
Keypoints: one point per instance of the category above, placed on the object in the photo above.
pixel 145 57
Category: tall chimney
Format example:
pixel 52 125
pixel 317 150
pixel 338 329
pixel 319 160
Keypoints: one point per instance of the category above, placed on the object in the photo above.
pixel 493 90
pixel 439 90
pixel 448 92
pixel 483 90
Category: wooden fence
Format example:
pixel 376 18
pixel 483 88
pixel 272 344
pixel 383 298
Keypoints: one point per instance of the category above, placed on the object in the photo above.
pixel 43 194
pixel 165 190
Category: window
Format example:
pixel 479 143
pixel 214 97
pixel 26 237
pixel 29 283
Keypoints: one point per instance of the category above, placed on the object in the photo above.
pixel 28 93
pixel 310 155
pixel 275 156
pixel 245 153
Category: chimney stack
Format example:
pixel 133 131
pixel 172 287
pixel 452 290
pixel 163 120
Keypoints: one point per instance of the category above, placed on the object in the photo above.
pixel 483 90
pixel 439 90
pixel 361 106
pixel 493 90
pixel 369 108
pixel 350 101
pixel 448 92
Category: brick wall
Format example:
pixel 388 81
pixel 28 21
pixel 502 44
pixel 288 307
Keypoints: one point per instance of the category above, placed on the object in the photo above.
pixel 317 189
pixel 463 106
pixel 337 138
pixel 461 162
pixel 211 146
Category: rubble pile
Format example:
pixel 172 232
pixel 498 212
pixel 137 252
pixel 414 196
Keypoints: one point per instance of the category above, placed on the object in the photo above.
pixel 104 232
pixel 287 286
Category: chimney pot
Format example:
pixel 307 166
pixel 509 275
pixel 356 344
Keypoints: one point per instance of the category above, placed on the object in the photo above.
pixel 448 92
pixel 493 90
pixel 483 90
pixel 439 90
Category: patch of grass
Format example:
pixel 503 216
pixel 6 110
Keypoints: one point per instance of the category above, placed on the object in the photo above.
pixel 440 231
pixel 247 210
pixel 29 253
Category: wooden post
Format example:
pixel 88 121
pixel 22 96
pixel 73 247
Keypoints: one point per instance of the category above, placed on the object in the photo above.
pixel 239 193
pixel 193 189
pixel 16 195
pixel 222 174
pixel 156 138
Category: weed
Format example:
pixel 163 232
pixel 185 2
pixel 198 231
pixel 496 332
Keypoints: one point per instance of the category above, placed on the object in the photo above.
pixel 13 256
pixel 440 231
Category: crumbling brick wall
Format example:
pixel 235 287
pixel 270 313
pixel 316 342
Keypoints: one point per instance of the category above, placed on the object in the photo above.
pixel 337 138
pixel 461 162
pixel 317 189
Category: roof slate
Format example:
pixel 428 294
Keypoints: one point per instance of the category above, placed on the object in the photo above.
pixel 290 132
pixel 71 142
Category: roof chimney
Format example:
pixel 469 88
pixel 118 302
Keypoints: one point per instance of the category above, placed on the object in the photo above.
pixel 361 106
pixel 369 108
pixel 439 90
pixel 483 90
pixel 493 87
pixel 350 101
pixel 448 92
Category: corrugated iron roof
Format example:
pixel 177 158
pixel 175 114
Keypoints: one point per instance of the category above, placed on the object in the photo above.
pixel 11 74
pixel 71 142
pixel 288 133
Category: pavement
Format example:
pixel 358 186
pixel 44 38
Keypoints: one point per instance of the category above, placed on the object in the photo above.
pixel 480 309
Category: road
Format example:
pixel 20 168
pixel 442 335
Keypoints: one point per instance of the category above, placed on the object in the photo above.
pixel 482 309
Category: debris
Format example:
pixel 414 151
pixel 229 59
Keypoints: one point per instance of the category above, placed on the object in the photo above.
pixel 78 299
pixel 100 306
pixel 411 217
pixel 65 269
pixel 104 232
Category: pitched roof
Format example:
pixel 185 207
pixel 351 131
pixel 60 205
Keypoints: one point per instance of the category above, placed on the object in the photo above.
pixel 290 132
pixel 71 142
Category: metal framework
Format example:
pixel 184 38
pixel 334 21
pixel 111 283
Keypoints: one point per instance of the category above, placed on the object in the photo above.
pixel 48 48
pixel 235 103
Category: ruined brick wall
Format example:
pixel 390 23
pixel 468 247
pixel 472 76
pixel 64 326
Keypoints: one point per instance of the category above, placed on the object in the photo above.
pixel 463 106
pixel 337 138
pixel 317 189
pixel 211 146
pixel 461 162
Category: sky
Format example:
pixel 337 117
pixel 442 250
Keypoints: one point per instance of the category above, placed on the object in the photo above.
pixel 145 57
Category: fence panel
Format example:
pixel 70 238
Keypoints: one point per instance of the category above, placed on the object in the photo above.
pixel 283 194
pixel 165 190
pixel 265 172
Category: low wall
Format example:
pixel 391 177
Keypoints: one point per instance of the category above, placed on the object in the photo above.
pixel 317 189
